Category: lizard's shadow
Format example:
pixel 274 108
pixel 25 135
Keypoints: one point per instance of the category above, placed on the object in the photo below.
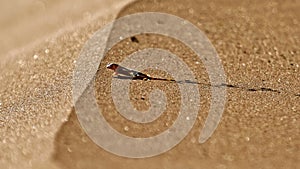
pixel 204 84
pixel 158 79
pixel 162 79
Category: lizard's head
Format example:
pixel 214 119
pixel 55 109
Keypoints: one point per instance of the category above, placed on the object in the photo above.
pixel 112 66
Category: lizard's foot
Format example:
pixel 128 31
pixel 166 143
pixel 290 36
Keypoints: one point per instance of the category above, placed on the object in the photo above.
pixel 115 74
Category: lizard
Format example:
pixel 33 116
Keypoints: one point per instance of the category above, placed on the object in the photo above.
pixel 118 69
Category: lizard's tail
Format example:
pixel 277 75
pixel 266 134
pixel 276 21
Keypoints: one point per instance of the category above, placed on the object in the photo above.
pixel 154 78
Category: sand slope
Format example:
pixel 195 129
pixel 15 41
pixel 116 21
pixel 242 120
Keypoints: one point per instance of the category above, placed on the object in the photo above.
pixel 258 43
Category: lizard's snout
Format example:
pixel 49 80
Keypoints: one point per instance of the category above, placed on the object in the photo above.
pixel 112 66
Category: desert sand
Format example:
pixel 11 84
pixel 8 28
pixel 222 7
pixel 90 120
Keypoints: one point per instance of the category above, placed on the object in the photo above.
pixel 257 41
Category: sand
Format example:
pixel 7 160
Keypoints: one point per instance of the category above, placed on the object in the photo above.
pixel 258 44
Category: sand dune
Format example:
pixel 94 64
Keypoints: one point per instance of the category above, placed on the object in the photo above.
pixel 258 44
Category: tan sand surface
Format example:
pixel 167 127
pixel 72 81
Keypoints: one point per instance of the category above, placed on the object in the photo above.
pixel 257 41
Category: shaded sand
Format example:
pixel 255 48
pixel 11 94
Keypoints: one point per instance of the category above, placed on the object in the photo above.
pixel 259 45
